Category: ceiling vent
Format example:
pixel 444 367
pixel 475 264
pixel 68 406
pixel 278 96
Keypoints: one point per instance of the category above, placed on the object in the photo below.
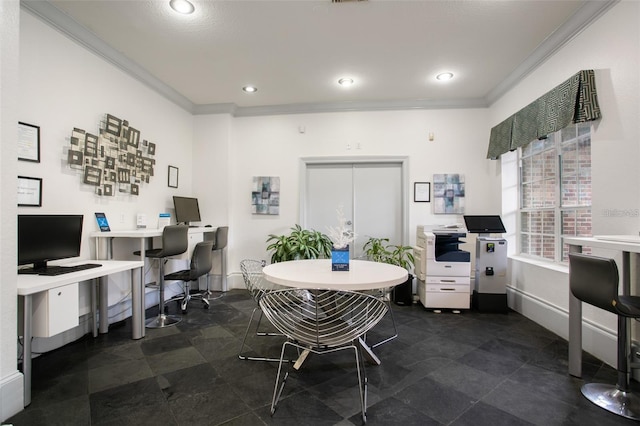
pixel 346 1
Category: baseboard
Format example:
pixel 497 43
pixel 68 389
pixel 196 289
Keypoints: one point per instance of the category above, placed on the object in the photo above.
pixel 597 340
pixel 11 395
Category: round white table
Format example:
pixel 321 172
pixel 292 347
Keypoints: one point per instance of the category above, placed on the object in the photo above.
pixel 317 274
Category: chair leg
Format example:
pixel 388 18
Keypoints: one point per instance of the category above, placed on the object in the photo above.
pixel 279 386
pixel 617 399
pixel 162 320
pixel 362 381
pixel 395 329
pixel 244 339
pixel 207 295
pixel 187 297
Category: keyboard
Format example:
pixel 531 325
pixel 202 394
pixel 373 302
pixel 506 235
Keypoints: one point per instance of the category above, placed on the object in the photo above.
pixel 59 270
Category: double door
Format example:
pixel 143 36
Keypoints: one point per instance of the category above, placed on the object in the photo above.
pixel 370 196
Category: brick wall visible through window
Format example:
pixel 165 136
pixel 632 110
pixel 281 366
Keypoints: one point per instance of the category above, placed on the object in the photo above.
pixel 555 192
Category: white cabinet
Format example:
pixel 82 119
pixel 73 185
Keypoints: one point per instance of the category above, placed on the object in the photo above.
pixel 55 310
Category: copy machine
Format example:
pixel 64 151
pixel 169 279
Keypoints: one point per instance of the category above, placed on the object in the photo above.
pixel 442 269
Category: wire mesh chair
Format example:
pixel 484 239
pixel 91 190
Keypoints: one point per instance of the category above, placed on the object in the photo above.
pixel 384 294
pixel 257 286
pixel 320 322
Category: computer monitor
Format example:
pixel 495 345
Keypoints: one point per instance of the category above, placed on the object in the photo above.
pixel 491 224
pixel 187 209
pixel 42 238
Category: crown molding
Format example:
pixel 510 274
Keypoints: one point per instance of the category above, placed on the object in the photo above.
pixel 581 19
pixel 81 35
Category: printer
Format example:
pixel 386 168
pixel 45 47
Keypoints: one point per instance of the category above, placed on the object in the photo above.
pixel 442 268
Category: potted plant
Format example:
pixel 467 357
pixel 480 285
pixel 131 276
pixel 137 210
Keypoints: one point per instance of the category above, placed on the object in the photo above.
pixel 378 250
pixel 299 244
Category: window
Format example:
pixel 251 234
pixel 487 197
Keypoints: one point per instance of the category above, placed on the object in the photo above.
pixel 555 192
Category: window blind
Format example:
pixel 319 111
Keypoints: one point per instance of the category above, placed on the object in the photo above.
pixel 573 101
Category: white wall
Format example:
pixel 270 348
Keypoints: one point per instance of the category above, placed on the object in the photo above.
pixel 63 86
pixel 273 146
pixel 11 389
pixel 610 46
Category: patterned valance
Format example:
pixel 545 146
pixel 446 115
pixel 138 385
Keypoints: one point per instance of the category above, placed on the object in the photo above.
pixel 573 101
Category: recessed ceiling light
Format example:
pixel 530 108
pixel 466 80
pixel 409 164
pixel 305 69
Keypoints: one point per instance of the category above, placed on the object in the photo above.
pixel 182 6
pixel 345 82
pixel 250 89
pixel 444 76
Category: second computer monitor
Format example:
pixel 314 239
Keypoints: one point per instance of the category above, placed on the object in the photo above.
pixel 187 209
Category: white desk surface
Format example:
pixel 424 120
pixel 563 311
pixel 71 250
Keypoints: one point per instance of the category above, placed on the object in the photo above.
pixel 144 232
pixel 628 243
pixel 317 274
pixel 31 284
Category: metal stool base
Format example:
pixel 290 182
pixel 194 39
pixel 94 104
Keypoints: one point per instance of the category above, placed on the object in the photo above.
pixel 609 397
pixel 162 321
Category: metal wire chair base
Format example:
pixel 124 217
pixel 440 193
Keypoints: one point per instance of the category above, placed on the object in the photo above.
pixel 258 333
pixel 363 382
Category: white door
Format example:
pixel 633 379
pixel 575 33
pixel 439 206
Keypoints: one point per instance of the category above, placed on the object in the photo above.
pixel 370 195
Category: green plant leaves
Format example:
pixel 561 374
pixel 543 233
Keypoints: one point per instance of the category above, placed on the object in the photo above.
pixel 378 250
pixel 299 244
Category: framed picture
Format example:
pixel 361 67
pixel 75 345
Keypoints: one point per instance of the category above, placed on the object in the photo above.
pixel 29 191
pixel 28 142
pixel 173 177
pixel 422 192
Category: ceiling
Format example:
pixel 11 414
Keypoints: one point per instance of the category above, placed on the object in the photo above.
pixel 295 51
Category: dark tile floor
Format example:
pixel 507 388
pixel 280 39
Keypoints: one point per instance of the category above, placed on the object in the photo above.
pixel 444 369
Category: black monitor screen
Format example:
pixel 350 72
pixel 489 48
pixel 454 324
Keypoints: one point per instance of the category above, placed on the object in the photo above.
pixel 48 237
pixel 187 209
pixel 484 224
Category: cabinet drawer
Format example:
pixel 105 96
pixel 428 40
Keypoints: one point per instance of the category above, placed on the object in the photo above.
pixel 449 281
pixel 446 269
pixel 444 295
pixel 56 310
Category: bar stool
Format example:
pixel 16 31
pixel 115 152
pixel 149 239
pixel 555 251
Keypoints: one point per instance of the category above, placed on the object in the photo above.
pixel 175 241
pixel 594 280
pixel 219 245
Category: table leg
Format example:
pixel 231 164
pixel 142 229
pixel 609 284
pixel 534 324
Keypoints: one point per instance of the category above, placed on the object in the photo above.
pixel 137 307
pixel 26 352
pixel 104 304
pixel 94 306
pixel 368 352
pixel 575 329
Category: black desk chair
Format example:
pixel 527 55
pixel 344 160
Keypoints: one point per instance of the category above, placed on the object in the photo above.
pixel 219 245
pixel 201 260
pixel 594 280
pixel 175 241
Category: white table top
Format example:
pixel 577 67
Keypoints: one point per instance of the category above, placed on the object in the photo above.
pixel 31 284
pixel 613 242
pixel 144 232
pixel 317 274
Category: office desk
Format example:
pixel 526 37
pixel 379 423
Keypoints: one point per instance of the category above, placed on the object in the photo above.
pixel 145 235
pixel 29 285
pixel 142 234
pixel 317 274
pixel 622 243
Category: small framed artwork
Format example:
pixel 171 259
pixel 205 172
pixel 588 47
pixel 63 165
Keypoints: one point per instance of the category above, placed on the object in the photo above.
pixel 28 142
pixel 29 191
pixel 422 192
pixel 173 177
